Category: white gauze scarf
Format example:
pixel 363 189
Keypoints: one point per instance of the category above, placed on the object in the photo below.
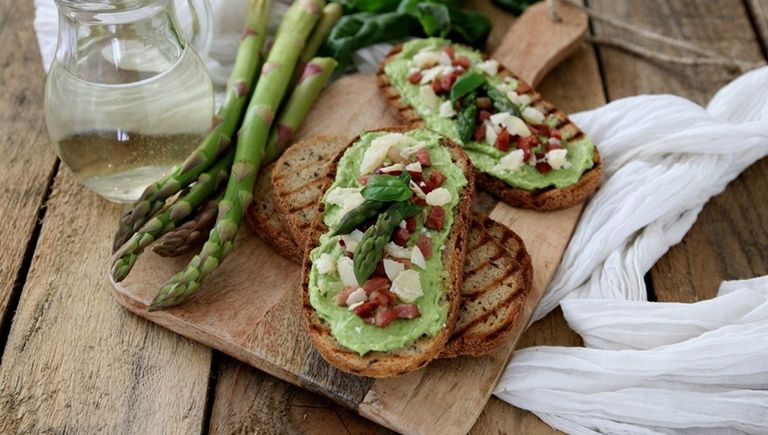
pixel 650 367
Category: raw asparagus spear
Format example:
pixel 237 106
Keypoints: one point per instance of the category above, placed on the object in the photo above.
pixel 311 82
pixel 331 13
pixel 224 126
pixel 270 89
pixel 187 235
pixel 207 183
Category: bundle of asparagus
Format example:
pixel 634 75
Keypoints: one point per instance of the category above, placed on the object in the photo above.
pixel 179 220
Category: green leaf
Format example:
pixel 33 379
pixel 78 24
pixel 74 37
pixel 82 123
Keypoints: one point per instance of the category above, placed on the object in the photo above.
pixel 514 6
pixel 387 188
pixel 470 27
pixel 465 84
pixel 369 5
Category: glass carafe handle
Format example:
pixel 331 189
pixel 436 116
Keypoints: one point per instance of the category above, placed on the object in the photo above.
pixel 202 26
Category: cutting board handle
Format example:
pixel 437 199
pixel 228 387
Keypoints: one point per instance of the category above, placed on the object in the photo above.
pixel 532 57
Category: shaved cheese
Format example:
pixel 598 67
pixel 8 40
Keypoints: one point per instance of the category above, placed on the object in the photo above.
pixel 417 258
pixel 513 124
pixel 396 251
pixel 375 154
pixel 445 59
pixel 417 190
pixel 446 110
pixel 557 159
pixel 490 133
pixel 414 167
pixel 430 74
pixel 439 197
pixel 429 97
pixel 392 268
pixel 352 202
pixel 346 268
pixel 511 162
pixel 325 264
pixel 407 286
pixel 426 59
pixel 490 67
pixel 392 168
pixel 351 240
pixel 408 151
pixel 533 115
pixel 338 195
pixel 356 298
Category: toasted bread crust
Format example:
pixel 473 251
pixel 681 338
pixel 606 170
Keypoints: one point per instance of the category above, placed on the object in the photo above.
pixel 419 353
pixel 551 198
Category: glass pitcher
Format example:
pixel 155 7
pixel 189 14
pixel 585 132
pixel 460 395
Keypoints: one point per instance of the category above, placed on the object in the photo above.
pixel 127 97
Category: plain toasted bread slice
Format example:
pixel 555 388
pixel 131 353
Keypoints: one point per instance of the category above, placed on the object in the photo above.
pixel 297 180
pixel 540 199
pixel 264 218
pixel 484 321
pixel 425 349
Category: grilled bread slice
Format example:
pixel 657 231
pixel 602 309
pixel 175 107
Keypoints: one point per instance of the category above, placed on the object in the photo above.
pixel 497 281
pixel 417 354
pixel 264 218
pixel 297 180
pixel 546 199
pixel 492 293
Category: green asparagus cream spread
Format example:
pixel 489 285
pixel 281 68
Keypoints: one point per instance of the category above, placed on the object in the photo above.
pixel 485 157
pixel 349 329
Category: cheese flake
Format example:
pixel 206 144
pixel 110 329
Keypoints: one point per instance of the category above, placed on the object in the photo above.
pixel 511 162
pixel 417 258
pixel 392 268
pixel 429 97
pixel 557 158
pixel 446 110
pixel 346 268
pixel 490 67
pixel 407 286
pixel 439 197
pixel 426 59
pixel 325 264
pixel 356 298
pixel 395 251
pixel 533 115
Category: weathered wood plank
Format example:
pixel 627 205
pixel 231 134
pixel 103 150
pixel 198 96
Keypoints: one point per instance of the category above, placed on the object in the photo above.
pixel 730 237
pixel 75 361
pixel 759 11
pixel 250 401
pixel 28 163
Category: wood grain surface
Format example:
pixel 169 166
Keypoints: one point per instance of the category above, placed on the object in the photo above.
pixel 729 238
pixel 75 361
pixel 28 163
pixel 101 370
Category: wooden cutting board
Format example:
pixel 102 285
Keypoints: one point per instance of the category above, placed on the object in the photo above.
pixel 249 308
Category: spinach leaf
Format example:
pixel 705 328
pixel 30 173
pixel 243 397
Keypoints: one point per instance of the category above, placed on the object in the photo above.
pixel 356 31
pixel 514 6
pixel 465 84
pixel 501 102
pixel 467 119
pixel 376 21
pixel 387 188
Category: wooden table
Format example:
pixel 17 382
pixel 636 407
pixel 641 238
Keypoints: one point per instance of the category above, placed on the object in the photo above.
pixel 74 361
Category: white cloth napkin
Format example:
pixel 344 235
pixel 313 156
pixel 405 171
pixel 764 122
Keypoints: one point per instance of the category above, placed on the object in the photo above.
pixel 646 367
pixel 654 367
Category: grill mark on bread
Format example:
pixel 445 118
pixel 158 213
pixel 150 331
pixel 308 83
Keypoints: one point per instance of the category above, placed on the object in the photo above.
pixel 483 317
